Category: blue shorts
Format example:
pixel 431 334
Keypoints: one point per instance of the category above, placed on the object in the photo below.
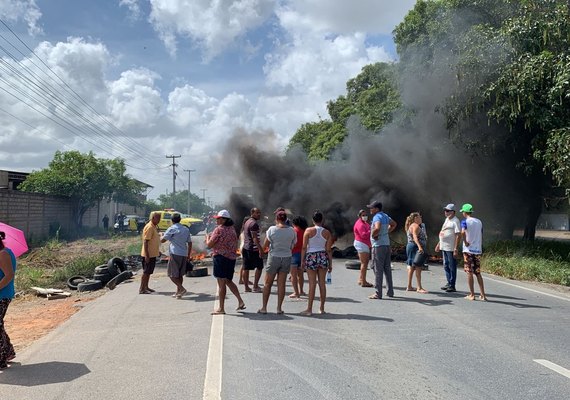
pixel 296 260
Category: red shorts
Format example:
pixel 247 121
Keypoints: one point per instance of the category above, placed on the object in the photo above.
pixel 472 263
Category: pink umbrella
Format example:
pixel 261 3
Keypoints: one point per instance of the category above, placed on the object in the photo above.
pixel 15 239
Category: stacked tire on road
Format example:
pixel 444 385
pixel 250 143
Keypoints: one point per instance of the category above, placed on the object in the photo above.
pixel 110 275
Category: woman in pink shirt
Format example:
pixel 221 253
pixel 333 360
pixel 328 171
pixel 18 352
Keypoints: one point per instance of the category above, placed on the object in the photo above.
pixel 362 245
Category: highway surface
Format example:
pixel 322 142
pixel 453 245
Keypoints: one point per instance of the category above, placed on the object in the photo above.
pixel 414 346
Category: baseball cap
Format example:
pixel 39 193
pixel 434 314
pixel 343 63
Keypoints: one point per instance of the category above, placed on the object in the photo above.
pixel 449 207
pixel 222 214
pixel 375 204
pixel 466 208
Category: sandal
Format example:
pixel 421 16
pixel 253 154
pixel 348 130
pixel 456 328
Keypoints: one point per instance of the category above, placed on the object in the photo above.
pixel 240 307
pixel 374 297
pixel 217 313
pixel 367 284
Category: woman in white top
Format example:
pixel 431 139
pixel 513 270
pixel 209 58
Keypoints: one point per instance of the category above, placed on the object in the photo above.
pixel 316 258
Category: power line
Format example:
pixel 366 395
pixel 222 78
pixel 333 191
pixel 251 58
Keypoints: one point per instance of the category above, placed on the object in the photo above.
pixel 69 108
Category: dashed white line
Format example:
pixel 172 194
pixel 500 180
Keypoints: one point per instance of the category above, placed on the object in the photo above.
pixel 213 378
pixel 555 367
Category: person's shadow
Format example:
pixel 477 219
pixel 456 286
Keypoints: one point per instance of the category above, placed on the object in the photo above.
pixel 42 373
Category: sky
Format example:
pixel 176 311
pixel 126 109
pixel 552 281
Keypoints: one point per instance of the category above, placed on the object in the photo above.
pixel 143 79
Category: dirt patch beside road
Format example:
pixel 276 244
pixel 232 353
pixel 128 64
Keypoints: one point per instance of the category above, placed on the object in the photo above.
pixel 30 317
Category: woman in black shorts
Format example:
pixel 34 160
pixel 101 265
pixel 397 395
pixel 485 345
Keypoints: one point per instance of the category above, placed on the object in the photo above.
pixel 223 242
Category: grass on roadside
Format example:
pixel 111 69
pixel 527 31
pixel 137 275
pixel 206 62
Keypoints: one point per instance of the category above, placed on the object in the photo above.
pixel 543 261
pixel 54 263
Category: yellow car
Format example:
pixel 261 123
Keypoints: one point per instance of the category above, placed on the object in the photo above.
pixel 194 224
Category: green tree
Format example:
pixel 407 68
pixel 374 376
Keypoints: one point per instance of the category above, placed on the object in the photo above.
pixel 372 96
pixel 85 179
pixel 510 60
pixel 180 203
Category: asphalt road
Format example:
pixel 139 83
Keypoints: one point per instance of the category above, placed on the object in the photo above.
pixel 433 346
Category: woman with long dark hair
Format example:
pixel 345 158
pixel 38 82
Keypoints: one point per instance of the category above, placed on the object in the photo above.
pixel 224 241
pixel 7 292
pixel 316 257
pixel 297 277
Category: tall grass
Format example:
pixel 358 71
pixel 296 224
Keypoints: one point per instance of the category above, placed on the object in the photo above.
pixel 541 260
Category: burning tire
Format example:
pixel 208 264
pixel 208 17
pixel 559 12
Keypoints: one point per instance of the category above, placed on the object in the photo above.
pixel 352 264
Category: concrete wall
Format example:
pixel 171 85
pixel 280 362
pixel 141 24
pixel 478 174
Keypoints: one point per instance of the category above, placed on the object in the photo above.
pixel 33 213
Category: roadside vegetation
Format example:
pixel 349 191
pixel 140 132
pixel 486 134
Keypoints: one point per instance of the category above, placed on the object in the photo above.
pixel 51 265
pixel 543 261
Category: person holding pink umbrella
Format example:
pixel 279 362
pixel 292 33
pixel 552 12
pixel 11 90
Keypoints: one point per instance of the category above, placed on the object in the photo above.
pixel 7 292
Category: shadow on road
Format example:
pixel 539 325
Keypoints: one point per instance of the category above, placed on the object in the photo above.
pixel 42 373
pixel 341 300
pixel 425 301
pixel 510 303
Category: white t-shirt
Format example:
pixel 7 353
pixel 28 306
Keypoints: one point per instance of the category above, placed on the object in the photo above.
pixel 473 235
pixel 447 234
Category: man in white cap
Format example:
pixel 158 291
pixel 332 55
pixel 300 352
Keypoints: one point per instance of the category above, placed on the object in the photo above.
pixel 449 238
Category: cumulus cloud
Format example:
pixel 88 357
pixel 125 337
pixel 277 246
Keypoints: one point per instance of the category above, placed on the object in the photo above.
pixel 133 98
pixel 345 17
pixel 213 25
pixel 27 10
pixel 188 105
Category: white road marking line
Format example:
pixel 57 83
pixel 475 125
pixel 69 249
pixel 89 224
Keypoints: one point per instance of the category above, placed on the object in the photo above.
pixel 525 288
pixel 555 367
pixel 213 378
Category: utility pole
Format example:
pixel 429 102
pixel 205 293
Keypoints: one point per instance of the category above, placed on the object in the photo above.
pixel 204 195
pixel 174 165
pixel 189 172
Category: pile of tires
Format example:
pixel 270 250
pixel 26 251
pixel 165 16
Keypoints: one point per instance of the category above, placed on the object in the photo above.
pixel 110 275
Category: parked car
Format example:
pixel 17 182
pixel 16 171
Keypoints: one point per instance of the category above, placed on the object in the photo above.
pixel 131 223
pixel 194 224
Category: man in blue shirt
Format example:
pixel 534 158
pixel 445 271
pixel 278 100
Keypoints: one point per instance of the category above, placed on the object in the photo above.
pixel 180 250
pixel 382 225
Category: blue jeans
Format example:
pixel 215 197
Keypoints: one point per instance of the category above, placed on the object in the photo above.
pixel 450 267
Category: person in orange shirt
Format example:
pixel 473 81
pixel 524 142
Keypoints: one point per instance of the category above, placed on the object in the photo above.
pixel 150 251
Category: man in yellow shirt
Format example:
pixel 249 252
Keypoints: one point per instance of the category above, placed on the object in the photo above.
pixel 150 251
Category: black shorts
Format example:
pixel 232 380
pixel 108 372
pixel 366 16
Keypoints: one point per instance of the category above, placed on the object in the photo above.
pixel 251 259
pixel 149 268
pixel 223 267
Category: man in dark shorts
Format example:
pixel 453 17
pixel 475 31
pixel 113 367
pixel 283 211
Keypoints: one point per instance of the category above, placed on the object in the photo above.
pixel 180 250
pixel 472 237
pixel 150 251
pixel 252 252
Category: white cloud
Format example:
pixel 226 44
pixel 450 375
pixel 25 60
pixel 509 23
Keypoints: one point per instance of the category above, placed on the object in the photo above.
pixel 27 10
pixel 346 17
pixel 133 99
pixel 213 25
pixel 188 105
pixel 133 7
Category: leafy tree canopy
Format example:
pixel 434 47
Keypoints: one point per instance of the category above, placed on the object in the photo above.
pixel 511 62
pixel 85 179
pixel 372 96
pixel 180 203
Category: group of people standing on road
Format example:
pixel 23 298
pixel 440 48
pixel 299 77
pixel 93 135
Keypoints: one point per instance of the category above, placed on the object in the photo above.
pixel 293 247
pixel 371 241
